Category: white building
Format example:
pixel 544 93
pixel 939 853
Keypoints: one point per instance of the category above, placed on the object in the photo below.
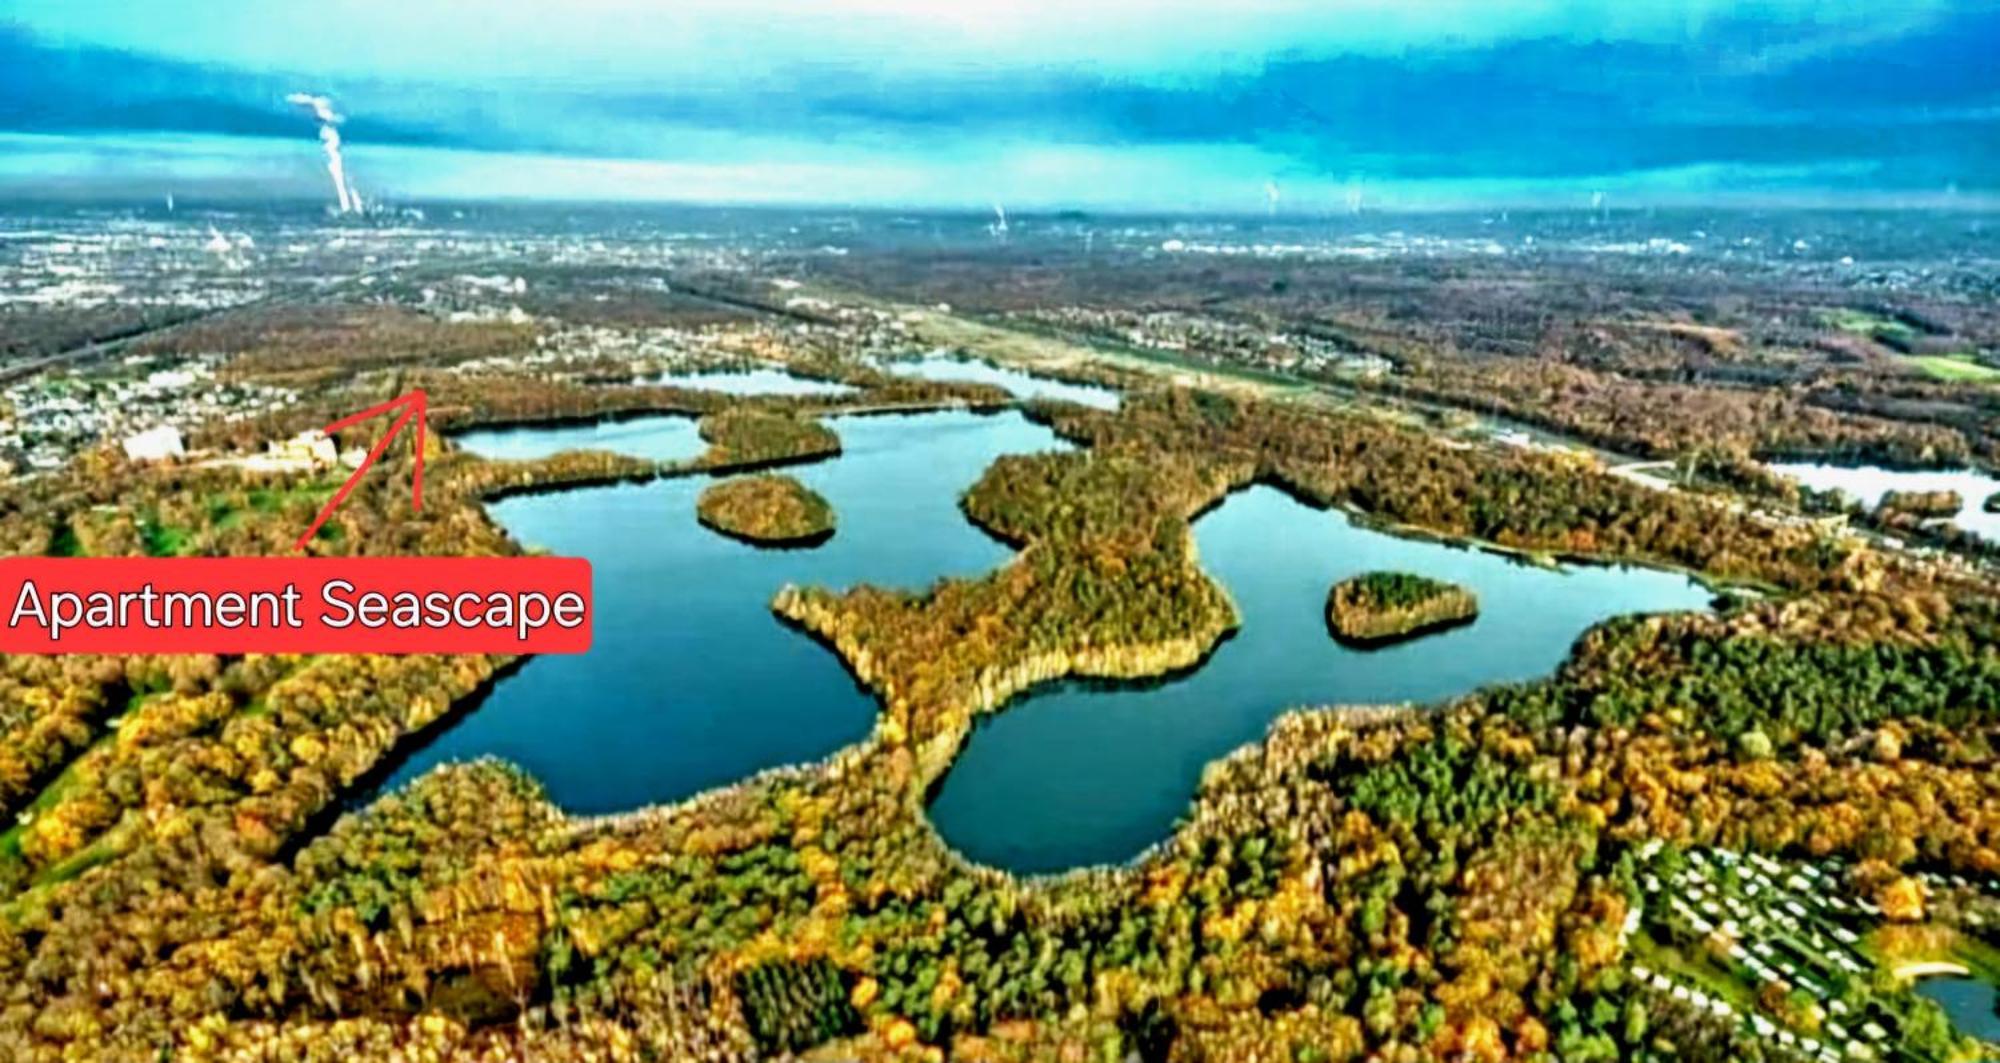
pixel 155 444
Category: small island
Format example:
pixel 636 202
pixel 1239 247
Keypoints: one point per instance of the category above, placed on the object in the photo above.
pixel 1379 607
pixel 769 510
pixel 1921 503
pixel 1993 502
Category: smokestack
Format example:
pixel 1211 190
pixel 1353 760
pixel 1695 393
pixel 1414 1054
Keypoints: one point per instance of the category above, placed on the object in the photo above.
pixel 329 137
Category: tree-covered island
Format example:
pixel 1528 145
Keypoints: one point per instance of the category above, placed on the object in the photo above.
pixel 1922 503
pixel 1379 607
pixel 771 510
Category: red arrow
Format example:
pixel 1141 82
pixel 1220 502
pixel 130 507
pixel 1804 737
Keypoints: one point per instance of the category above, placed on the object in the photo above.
pixel 416 404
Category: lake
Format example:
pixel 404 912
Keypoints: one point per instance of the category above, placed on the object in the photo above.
pixel 1969 1003
pixel 692 682
pixel 1868 483
pixel 658 437
pixel 761 381
pixel 1017 383
pixel 1087 772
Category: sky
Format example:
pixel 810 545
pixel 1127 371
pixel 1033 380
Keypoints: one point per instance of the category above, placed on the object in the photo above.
pixel 1251 105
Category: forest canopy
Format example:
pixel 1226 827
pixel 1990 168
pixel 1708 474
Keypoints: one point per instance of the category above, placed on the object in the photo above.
pixel 769 508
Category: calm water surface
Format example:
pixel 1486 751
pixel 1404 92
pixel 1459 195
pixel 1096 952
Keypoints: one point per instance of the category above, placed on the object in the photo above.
pixel 1019 384
pixel 1868 483
pixel 1968 1001
pixel 692 682
pixel 754 382
pixel 1083 773
pixel 660 438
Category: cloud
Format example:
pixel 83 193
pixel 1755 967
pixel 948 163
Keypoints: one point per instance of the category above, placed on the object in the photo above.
pixel 1506 95
pixel 140 167
pixel 611 43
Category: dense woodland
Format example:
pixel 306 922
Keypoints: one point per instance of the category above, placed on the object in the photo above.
pixel 1663 419
pixel 310 347
pixel 1672 359
pixel 1537 502
pixel 1382 884
pixel 1378 606
pixel 28 333
pixel 1922 504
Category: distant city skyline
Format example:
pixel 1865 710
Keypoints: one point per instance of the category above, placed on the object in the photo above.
pixel 1274 106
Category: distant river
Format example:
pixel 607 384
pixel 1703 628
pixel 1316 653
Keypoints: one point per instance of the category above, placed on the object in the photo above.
pixel 1089 772
pixel 692 682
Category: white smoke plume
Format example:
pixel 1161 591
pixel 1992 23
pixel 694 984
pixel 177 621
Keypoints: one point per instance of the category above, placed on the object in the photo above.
pixel 329 136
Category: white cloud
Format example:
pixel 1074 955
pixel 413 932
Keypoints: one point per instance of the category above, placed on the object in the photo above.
pixel 595 43
pixel 1024 175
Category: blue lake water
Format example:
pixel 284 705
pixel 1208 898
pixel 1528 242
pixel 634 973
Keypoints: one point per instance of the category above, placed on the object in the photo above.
pixel 1969 1003
pixel 1086 772
pixel 691 681
pixel 753 382
pixel 659 438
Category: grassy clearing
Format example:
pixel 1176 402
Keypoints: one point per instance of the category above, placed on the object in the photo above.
pixel 1113 349
pixel 163 540
pixel 65 780
pixel 1696 970
pixel 269 500
pixel 1874 326
pixel 1956 368
pixel 1898 944
pixel 114 840
pixel 225 513
pixel 1025 345
pixel 51 795
pixel 1848 319
pixel 105 847
pixel 1983 958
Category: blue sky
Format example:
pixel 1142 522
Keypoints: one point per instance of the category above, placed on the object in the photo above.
pixel 1034 103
